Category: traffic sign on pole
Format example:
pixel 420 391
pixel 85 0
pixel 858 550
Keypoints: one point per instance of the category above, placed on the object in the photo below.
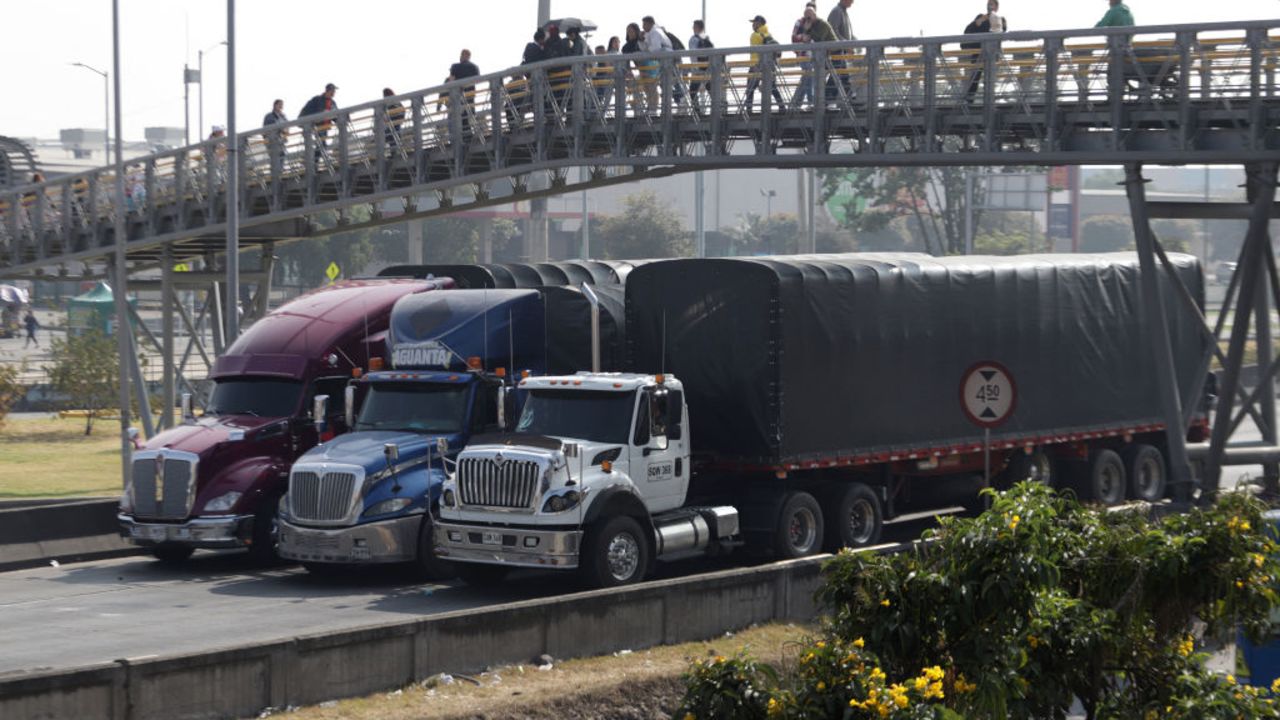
pixel 332 272
pixel 988 394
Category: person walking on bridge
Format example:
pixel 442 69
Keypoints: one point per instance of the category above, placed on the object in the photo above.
pixel 1118 15
pixel 759 61
pixel 320 104
pixel 840 24
pixel 275 135
pixel 462 70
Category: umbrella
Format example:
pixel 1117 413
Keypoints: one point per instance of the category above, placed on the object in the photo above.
pixel 11 295
pixel 584 26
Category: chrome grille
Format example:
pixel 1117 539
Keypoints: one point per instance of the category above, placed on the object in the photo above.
pixel 488 483
pixel 321 497
pixel 172 499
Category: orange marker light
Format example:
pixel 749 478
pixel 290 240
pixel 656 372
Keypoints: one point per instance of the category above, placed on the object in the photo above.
pixel 375 364
pixel 474 363
pixel 500 372
pixel 524 373
pixel 660 378
pixel 607 466
pixel 357 373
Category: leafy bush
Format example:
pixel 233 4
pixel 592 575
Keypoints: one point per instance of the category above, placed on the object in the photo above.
pixel 10 390
pixel 1020 611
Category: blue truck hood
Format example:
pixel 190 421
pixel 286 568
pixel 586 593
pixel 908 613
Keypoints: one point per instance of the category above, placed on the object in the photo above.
pixel 365 448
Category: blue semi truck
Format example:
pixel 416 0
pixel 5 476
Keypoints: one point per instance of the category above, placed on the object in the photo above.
pixel 364 498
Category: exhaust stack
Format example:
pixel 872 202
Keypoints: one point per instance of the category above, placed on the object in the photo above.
pixel 595 326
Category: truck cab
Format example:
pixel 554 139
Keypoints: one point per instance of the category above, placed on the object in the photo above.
pixel 365 497
pixel 595 478
pixel 215 481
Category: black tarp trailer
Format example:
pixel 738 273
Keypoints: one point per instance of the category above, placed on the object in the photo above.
pixel 840 375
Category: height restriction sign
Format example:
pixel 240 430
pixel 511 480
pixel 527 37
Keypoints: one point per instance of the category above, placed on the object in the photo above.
pixel 988 394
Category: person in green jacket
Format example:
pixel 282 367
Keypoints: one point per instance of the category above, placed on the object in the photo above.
pixel 1117 16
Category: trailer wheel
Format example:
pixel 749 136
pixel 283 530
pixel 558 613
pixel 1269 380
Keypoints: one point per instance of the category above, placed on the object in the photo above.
pixel 483 576
pixel 856 519
pixel 172 554
pixel 615 552
pixel 1107 478
pixel 1145 467
pixel 428 566
pixel 799 531
pixel 1038 467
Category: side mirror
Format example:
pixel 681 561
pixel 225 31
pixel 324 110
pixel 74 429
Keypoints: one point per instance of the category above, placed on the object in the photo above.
pixel 349 406
pixel 392 452
pixel 502 407
pixel 571 450
pixel 188 414
pixel 319 411
pixel 442 446
pixel 675 414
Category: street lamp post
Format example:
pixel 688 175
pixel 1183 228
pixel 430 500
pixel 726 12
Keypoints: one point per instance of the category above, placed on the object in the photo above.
pixel 768 196
pixel 106 111
pixel 200 79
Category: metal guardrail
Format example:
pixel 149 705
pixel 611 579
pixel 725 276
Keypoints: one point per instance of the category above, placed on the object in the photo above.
pixel 1169 94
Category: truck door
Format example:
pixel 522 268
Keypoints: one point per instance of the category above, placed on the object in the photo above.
pixel 657 465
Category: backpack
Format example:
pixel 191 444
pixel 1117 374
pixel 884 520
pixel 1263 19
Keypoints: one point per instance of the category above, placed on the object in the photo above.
pixel 675 41
pixel 706 43
pixel 768 40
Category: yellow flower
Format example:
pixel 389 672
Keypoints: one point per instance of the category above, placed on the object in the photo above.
pixel 1033 641
pixel 935 691
pixel 718 659
pixel 1013 523
pixel 1258 559
pixel 1239 584
pixel 775 707
pixel 821 644
pixel 877 675
pixel 821 686
pixel 885 603
pixel 1275 686
pixel 859 643
pixel 963 685
pixel 1186 646
pixel 690 716
pixel 1231 679
pixel 921 684
pixel 934 673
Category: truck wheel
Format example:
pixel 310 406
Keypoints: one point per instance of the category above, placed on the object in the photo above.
pixel 615 553
pixel 429 566
pixel 856 519
pixel 172 554
pixel 1037 467
pixel 480 575
pixel 1106 477
pixel 1144 465
pixel 799 530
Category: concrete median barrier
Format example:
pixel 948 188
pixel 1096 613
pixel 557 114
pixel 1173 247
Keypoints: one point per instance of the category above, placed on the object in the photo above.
pixel 242 681
pixel 69 530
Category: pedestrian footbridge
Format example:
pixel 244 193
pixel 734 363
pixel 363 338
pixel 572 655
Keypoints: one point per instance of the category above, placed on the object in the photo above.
pixel 1143 95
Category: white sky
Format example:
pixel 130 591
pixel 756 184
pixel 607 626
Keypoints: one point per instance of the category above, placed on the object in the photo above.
pixel 291 48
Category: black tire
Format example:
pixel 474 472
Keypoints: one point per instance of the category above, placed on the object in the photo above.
pixel 262 551
pixel 1106 479
pixel 799 530
pixel 483 576
pixel 1144 465
pixel 1038 467
pixel 171 554
pixel 426 564
pixel 854 519
pixel 615 552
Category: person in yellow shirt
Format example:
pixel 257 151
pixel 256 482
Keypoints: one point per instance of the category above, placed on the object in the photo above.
pixel 760 36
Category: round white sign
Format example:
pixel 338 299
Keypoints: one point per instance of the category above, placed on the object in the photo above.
pixel 988 394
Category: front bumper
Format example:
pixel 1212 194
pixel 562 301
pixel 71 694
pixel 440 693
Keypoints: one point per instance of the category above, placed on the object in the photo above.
pixel 514 547
pixel 388 541
pixel 231 531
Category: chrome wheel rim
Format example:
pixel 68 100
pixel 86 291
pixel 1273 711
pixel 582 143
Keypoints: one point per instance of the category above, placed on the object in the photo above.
pixel 1108 481
pixel 1041 470
pixel 1149 479
pixel 623 556
pixel 802 531
pixel 862 519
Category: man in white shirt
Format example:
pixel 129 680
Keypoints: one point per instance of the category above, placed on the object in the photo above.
pixel 655 40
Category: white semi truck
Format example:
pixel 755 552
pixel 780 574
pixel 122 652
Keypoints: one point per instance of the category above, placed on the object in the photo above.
pixel 808 398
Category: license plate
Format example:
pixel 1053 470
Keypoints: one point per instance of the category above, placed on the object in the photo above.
pixel 149 533
pixel 491 538
pixel 179 533
pixel 360 553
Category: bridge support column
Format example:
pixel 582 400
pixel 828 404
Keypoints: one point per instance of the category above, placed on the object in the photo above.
pixel 168 299
pixel 1255 277
pixel 1157 324
pixel 537 234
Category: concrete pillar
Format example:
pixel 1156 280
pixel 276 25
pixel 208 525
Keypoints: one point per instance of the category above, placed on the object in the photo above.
pixel 168 298
pixel 416 242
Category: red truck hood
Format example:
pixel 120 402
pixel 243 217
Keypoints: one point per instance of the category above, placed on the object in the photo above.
pixel 205 433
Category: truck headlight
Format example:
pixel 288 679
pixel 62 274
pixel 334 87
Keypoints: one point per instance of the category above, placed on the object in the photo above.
pixel 386 507
pixel 560 503
pixel 223 503
pixel 447 498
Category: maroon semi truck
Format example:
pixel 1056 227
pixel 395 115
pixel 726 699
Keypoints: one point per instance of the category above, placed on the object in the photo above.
pixel 215 482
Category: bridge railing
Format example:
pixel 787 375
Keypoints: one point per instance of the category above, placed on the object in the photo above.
pixel 913 94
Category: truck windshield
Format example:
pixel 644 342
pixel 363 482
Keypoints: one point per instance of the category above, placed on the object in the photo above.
pixel 260 397
pixel 593 415
pixel 414 408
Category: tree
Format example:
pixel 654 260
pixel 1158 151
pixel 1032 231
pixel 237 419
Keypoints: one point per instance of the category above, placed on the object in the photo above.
pixel 307 260
pixel 647 228
pixel 84 371
pixel 10 389
pixel 1018 612
pixel 1105 233
pixel 935 199
pixel 757 235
